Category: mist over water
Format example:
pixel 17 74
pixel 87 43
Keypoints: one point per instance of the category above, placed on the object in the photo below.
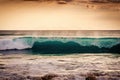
pixel 61 33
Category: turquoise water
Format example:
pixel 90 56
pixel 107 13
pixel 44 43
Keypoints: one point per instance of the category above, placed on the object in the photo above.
pixel 61 44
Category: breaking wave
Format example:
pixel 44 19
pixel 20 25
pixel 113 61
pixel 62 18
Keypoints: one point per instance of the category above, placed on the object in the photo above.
pixel 61 44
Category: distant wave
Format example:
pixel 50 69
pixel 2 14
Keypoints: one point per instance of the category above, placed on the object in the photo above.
pixel 62 45
pixel 60 33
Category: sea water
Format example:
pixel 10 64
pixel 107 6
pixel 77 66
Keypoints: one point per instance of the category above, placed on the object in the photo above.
pixel 62 43
pixel 67 54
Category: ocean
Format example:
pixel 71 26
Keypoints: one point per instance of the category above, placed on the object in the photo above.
pixel 60 55
pixel 61 41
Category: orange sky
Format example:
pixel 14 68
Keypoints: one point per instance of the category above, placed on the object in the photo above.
pixel 43 16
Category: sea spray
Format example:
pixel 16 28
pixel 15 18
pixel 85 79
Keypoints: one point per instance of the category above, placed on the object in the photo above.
pixel 60 44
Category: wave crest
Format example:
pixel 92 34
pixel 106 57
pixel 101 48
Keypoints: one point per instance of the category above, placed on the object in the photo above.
pixel 60 45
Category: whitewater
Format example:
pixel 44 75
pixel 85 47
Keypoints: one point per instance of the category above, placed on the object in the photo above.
pixel 57 43
pixel 70 55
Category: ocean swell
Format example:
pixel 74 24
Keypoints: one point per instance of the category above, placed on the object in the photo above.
pixel 62 45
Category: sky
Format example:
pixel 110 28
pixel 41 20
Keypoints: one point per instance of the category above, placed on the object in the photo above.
pixel 44 16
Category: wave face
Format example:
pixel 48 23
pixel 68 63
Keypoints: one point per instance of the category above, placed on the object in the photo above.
pixel 61 44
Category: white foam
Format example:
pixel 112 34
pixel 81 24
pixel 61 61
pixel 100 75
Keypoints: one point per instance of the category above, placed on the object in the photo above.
pixel 6 44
